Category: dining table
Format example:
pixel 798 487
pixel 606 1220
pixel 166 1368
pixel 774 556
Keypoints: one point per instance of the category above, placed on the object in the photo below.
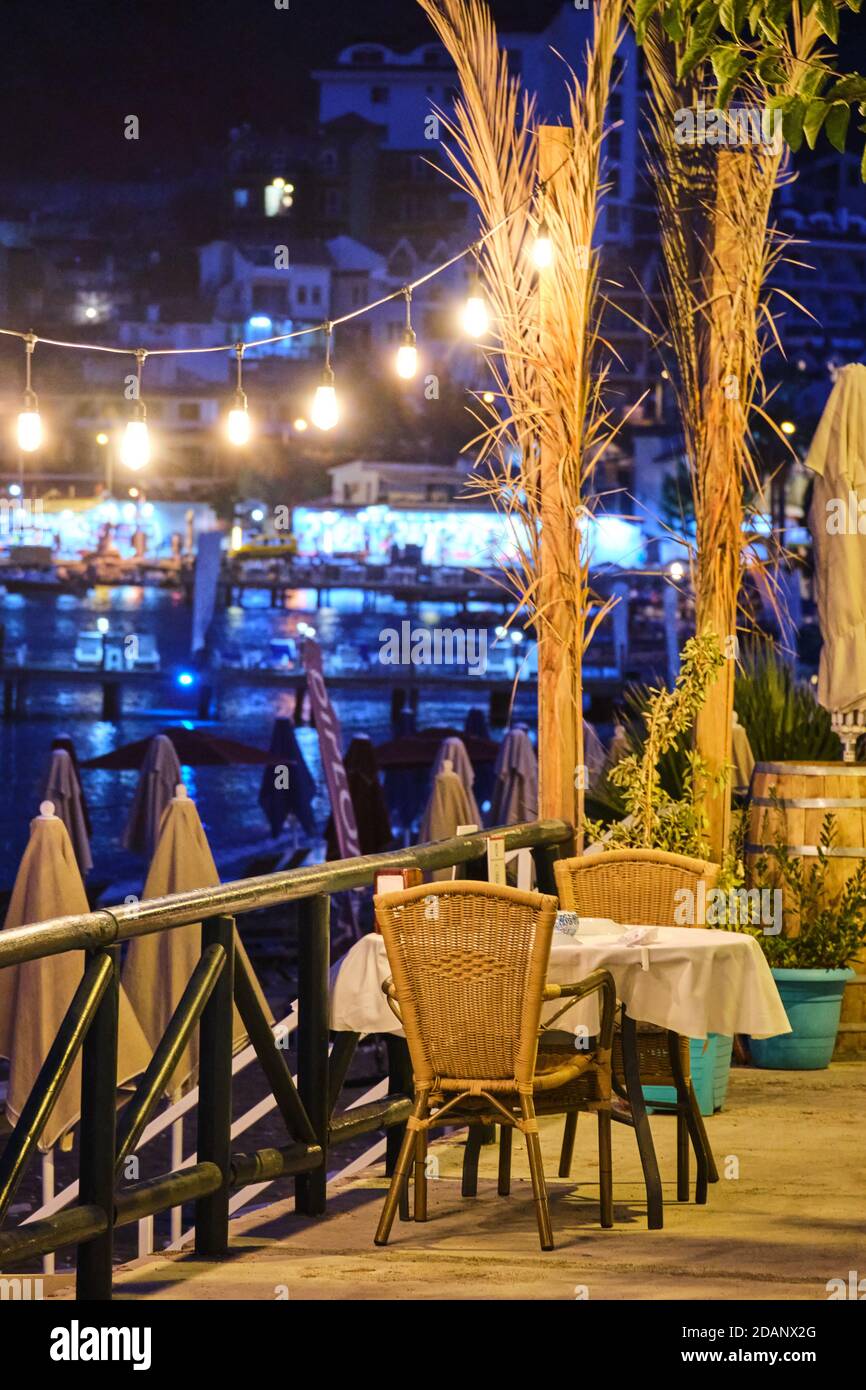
pixel 690 981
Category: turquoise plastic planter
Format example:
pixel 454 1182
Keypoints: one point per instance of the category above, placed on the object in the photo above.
pixel 813 1003
pixel 711 1070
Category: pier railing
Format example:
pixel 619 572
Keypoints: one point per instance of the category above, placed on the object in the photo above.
pixel 222 978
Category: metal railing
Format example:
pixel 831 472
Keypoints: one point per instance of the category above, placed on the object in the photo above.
pixel 221 978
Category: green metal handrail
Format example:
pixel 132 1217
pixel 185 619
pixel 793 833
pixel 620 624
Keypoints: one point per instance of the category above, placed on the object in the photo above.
pixel 221 980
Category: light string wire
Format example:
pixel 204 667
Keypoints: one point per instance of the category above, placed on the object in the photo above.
pixel 326 326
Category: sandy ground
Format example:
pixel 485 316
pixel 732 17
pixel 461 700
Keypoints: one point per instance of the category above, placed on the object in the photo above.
pixel 788 1215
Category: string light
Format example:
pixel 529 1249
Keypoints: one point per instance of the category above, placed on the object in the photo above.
pixel 29 421
pixel 326 412
pixel 238 424
pixel 407 353
pixel 135 445
pixel 476 318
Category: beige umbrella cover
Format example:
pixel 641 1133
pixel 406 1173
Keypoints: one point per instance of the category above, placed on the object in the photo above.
pixel 158 967
pixel 448 807
pixel 515 792
pixel 838 457
pixel 63 790
pixel 35 996
pixel 453 751
pixel 160 774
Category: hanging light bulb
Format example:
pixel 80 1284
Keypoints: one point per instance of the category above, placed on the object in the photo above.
pixel 135 445
pixel 476 318
pixel 542 251
pixel 29 420
pixel 326 412
pixel 238 425
pixel 407 353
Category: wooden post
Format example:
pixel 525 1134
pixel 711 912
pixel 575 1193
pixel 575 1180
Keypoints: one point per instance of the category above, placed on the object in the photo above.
pixel 215 1092
pixel 719 516
pixel 560 655
pixel 98 1119
pixel 314 941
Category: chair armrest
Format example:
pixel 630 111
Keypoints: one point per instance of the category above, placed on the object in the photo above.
pixel 390 994
pixel 599 982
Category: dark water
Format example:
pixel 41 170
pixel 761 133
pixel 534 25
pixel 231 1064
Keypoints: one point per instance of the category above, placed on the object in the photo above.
pixel 227 798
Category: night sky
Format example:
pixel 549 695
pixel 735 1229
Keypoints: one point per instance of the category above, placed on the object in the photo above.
pixel 70 70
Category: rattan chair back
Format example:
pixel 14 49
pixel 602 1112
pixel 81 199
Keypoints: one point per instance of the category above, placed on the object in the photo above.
pixel 469 962
pixel 634 886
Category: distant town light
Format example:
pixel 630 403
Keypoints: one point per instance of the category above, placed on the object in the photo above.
pixel 102 439
pixel 91 312
pixel 14 490
pixel 133 492
pixel 102 625
pixel 257 515
pixel 489 397
pixel 186 678
pixel 261 321
pixel 788 427
pixel 676 571
pixel 237 539
pixel 300 425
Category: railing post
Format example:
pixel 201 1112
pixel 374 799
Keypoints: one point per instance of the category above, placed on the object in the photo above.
pixel 313 961
pixel 98 1120
pixel 215 1091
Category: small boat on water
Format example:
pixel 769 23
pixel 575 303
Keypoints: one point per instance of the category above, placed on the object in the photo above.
pixel 133 651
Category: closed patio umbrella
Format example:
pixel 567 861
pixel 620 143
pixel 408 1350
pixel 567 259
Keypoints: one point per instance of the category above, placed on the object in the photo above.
pixel 368 799
pixel 35 996
pixel 160 774
pixel 290 795
pixel 63 790
pixel 65 743
pixel 453 751
pixel 157 967
pixel 515 793
pixel 837 457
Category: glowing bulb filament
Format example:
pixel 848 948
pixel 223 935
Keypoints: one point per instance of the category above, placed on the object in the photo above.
pixel 542 252
pixel 476 319
pixel 407 356
pixel 29 431
pixel 325 412
pixel 135 446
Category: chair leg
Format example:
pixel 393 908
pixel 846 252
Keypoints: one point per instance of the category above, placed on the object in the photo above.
pixel 643 1133
pixel 421 1175
pixel 397 1190
pixel 566 1153
pixel 605 1168
pixel 504 1185
pixel 682 1157
pixel 700 1144
pixel 700 1129
pixel 471 1154
pixel 536 1169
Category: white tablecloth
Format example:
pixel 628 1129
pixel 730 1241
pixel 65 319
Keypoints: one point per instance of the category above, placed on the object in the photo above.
pixel 698 981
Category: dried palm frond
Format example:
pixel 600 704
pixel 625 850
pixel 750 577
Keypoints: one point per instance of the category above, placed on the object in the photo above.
pixel 719 247
pixel 539 445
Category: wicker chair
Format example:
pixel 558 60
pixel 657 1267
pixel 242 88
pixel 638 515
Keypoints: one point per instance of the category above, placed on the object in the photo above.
pixel 469 962
pixel 639 886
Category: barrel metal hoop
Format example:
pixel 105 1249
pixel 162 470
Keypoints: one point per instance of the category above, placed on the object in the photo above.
pixel 811 851
pixel 813 769
pixel 812 803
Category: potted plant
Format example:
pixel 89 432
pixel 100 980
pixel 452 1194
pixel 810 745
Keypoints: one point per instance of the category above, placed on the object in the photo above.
pixel 811 965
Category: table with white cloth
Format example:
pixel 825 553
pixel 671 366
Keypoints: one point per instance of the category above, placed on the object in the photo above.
pixel 690 980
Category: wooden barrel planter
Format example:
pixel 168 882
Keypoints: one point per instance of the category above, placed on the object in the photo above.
pixel 804 793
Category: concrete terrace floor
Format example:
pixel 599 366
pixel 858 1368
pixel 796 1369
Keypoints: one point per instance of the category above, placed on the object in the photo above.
pixel 789 1216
